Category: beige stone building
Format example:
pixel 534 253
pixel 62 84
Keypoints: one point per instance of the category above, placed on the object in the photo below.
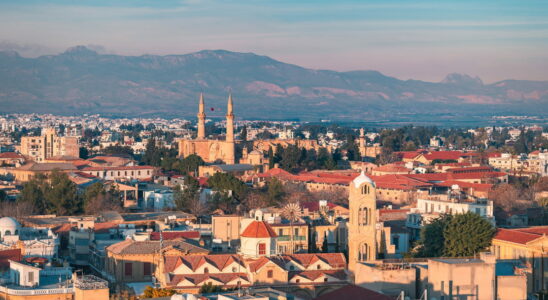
pixel 211 150
pixel 136 261
pixel 446 278
pixel 48 145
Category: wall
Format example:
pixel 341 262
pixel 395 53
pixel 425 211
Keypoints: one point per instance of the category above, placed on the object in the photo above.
pixel 387 281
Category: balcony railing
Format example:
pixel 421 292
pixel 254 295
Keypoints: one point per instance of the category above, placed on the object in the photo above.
pixel 286 238
pixel 33 292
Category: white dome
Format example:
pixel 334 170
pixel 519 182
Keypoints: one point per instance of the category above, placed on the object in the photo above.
pixel 358 181
pixel 7 223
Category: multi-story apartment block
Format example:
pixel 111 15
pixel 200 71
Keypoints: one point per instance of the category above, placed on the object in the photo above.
pixel 49 144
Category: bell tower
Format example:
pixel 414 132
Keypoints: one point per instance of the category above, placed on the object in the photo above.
pixel 361 145
pixel 362 244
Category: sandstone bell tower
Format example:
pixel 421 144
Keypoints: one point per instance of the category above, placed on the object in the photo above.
pixel 362 245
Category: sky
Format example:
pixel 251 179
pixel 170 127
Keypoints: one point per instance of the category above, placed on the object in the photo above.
pixel 424 40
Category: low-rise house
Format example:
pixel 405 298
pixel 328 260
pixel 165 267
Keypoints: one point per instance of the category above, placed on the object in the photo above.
pixel 528 245
pixel 136 261
pixel 128 173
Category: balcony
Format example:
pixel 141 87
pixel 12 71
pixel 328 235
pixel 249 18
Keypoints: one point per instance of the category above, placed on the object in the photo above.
pixel 287 238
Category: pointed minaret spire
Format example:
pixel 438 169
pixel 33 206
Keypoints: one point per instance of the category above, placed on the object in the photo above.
pixel 229 105
pixel 201 118
pixel 229 120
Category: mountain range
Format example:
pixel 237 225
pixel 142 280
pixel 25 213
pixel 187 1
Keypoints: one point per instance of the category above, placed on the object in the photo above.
pixel 80 80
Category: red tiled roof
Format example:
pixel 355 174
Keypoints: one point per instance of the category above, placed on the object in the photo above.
pixel 519 236
pixel 219 261
pixel 171 235
pixel 408 154
pixel 477 186
pixel 315 274
pixel 398 182
pixel 353 292
pixel 196 279
pixel 10 155
pixel 470 169
pixel 202 181
pixel 445 155
pixel 392 168
pixel 259 229
pixel 122 168
pixel 10 254
pixel 313 206
pixel 335 260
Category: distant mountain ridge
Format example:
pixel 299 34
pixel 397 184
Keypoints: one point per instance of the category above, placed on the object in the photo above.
pixel 80 80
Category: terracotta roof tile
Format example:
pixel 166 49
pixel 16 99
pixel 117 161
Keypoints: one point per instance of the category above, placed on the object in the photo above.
pixel 259 229
pixel 518 236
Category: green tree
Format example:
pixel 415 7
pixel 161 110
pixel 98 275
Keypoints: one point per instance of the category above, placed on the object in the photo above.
pixel 209 288
pixel 431 237
pixel 98 199
pixel 33 193
pixel 151 292
pixel 61 195
pixel 325 244
pixel 467 234
pixel 455 235
pixel 189 164
pixel 275 191
pixel 226 182
pixel 243 133
pixel 183 197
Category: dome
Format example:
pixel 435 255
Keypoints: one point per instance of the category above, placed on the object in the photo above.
pixel 7 222
pixel 358 181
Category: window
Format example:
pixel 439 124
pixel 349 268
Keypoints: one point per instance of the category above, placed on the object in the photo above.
pixel 31 277
pixel 270 274
pixel 206 270
pixel 262 249
pixel 280 232
pixel 318 267
pixel 325 280
pixel 296 232
pixel 297 280
pixel 365 189
pixel 146 269
pixel 234 270
pixel 128 269
pixel 292 268
pixel 363 255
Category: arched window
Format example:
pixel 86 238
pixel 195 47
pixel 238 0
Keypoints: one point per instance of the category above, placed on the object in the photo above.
pixel 365 189
pixel 206 270
pixel 270 274
pixel 7 232
pixel 363 216
pixel 363 255
pixel 318 267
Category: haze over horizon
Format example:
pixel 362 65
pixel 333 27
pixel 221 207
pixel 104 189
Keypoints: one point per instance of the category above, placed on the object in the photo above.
pixel 494 40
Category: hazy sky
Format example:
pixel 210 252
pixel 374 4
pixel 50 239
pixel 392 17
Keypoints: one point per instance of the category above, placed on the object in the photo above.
pixel 407 39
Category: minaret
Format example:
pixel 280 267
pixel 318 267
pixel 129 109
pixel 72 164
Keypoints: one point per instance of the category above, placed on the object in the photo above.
pixel 229 121
pixel 362 234
pixel 229 156
pixel 362 143
pixel 201 118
